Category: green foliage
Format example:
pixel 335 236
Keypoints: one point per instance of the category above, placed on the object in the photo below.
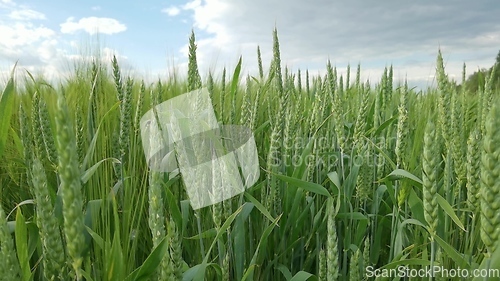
pixel 475 82
pixel 340 187
pixel 7 100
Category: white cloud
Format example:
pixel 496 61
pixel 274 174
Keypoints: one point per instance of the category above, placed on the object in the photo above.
pixel 35 48
pixel 171 11
pixel 47 50
pixel 22 39
pixel 96 8
pixel 93 25
pixel 7 5
pixel 20 34
pixel 42 50
pixel 192 5
pixel 373 33
pixel 26 15
pixel 108 53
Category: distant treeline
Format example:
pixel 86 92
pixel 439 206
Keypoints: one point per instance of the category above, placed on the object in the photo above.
pixel 476 81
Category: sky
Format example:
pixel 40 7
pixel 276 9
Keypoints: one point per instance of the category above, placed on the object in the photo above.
pixel 150 38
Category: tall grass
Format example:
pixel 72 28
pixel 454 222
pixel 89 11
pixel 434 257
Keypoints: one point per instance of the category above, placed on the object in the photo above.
pixel 355 175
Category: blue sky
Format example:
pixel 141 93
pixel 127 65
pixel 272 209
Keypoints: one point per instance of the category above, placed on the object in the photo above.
pixel 150 37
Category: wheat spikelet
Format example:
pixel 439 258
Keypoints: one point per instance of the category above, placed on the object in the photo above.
pixel 288 133
pixel 322 265
pixel 117 78
pixel 194 79
pixel 48 226
pixel 487 97
pixel 299 82
pixel 156 216
pixel 222 96
pixel 156 221
pixel 402 128
pixel 338 115
pixel 246 107
pixel 376 110
pixel 458 144
pixel 490 181
pixel 139 105
pixel 401 141
pixel 354 266
pixel 210 85
pixel 473 171
pixel 444 101
pixel 175 249
pixel 80 140
pixel 69 174
pixel 9 265
pixel 259 62
pixel 366 252
pixel 40 150
pixel 226 270
pixel 48 139
pixel 270 192
pixel 430 165
pixel 390 78
pixel 308 89
pixel 277 63
pixel 332 250
pixel 360 125
pixel 384 92
pixel 125 117
pixel 365 174
pixel 26 139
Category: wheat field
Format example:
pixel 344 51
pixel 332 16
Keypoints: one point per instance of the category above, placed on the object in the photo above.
pixel 359 180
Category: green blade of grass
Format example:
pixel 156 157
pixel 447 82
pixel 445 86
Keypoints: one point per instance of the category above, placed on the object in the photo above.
pixel 148 268
pixel 6 108
pixel 449 211
pixel 21 237
pixel 309 186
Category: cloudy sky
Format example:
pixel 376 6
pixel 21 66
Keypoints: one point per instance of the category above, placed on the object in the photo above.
pixel 150 37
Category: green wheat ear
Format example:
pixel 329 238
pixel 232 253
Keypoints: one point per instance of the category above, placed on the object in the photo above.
pixel 354 266
pixel 194 79
pixel 490 180
pixel 47 133
pixel 175 249
pixel 332 250
pixel 430 163
pixel 48 226
pixel 473 171
pixel 69 174
pixel 322 265
pixel 40 150
pixel 9 266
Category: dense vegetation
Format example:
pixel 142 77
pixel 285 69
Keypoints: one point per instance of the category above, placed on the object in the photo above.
pixel 475 82
pixel 352 175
